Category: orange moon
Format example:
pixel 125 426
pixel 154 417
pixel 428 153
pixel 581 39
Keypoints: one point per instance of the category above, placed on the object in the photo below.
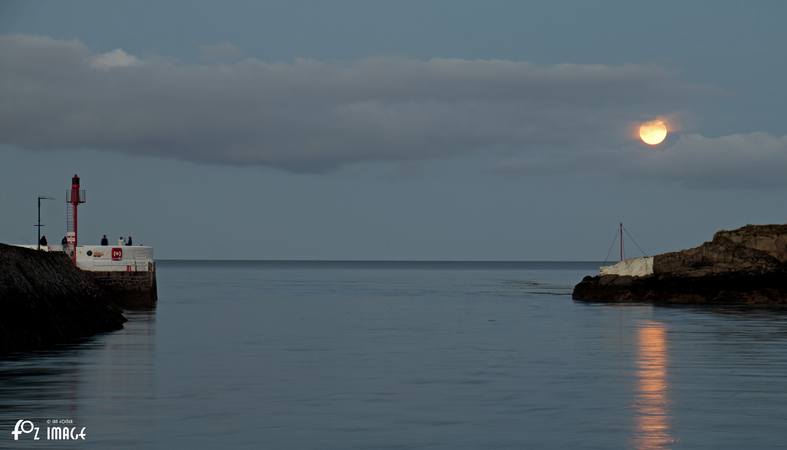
pixel 653 132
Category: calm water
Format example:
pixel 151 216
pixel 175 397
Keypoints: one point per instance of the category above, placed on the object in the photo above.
pixel 402 356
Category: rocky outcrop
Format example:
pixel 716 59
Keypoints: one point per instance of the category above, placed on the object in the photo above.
pixel 743 266
pixel 45 300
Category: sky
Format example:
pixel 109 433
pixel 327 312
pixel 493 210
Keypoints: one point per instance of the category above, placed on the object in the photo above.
pixel 494 130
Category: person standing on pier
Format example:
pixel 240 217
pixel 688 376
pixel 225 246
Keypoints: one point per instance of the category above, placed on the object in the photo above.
pixel 104 240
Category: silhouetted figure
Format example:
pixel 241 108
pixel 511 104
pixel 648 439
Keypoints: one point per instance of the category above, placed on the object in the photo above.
pixel 128 241
pixel 104 240
pixel 64 241
pixel 42 241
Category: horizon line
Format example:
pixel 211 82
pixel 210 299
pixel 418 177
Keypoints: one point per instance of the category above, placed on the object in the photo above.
pixel 380 260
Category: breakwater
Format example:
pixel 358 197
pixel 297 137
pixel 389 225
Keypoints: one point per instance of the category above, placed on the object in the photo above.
pixel 45 301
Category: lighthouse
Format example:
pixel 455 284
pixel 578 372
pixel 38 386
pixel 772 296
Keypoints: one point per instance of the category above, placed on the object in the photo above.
pixel 73 199
pixel 126 272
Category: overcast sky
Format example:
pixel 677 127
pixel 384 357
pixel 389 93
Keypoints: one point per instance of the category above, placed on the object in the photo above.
pixel 393 130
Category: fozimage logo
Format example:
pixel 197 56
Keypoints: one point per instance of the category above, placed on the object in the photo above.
pixel 55 430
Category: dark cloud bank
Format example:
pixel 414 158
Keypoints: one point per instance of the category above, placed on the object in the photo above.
pixel 312 116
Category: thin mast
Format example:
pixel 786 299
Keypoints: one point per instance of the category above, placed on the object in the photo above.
pixel 38 224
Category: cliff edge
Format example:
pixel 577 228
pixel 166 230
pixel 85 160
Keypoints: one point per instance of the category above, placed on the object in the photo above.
pixel 743 266
pixel 45 300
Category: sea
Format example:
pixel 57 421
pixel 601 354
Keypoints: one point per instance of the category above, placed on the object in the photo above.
pixel 403 355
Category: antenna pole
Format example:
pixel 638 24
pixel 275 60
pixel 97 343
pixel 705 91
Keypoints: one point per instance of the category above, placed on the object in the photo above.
pixel 621 241
pixel 38 224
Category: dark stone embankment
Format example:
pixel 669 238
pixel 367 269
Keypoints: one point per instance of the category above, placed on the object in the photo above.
pixel 45 300
pixel 747 266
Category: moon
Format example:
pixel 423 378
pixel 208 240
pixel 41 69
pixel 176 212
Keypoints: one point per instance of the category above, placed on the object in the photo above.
pixel 653 132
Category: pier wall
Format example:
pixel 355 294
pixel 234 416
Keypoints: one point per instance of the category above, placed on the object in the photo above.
pixel 130 290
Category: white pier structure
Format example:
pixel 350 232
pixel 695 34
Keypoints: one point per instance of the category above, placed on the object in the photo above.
pixel 109 258
pixel 632 267
pixel 105 258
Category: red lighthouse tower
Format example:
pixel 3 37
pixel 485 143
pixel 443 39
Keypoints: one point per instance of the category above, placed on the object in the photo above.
pixel 73 198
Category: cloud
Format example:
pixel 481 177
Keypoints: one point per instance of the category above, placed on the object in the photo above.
pixel 115 58
pixel 315 116
pixel 753 160
pixel 749 160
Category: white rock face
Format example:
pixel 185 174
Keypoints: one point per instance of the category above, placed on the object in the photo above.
pixel 634 267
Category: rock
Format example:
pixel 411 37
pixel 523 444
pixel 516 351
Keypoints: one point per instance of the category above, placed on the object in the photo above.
pixel 45 300
pixel 743 266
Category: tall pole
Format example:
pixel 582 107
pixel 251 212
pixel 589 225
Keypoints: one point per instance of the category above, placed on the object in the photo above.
pixel 38 224
pixel 621 241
